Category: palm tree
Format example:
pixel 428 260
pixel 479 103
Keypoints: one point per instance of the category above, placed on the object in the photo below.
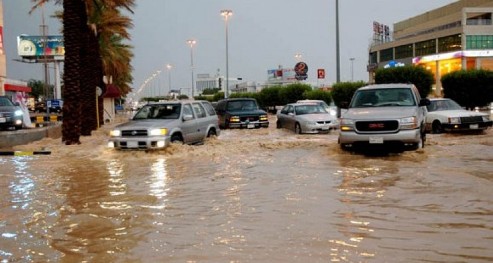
pixel 82 50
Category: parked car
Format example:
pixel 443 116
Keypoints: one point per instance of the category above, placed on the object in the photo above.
pixel 156 125
pixel 332 108
pixel 447 115
pixel 306 117
pixel 11 114
pixel 241 113
pixel 384 115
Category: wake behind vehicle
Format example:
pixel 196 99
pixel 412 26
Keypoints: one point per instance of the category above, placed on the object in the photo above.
pixel 384 115
pixel 306 117
pixel 11 115
pixel 241 113
pixel 156 125
pixel 446 115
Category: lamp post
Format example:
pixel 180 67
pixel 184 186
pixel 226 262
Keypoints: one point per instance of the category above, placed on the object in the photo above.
pixel 226 14
pixel 352 69
pixel 192 42
pixel 169 67
pixel 338 57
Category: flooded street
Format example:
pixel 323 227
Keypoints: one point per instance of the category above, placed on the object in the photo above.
pixel 262 195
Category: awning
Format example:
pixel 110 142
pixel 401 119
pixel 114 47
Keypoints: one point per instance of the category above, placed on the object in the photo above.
pixel 111 91
pixel 16 88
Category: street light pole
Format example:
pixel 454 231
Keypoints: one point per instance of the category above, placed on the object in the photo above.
pixel 352 69
pixel 192 42
pixel 226 14
pixel 169 67
pixel 338 57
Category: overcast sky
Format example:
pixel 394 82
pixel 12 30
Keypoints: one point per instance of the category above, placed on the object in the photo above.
pixel 263 34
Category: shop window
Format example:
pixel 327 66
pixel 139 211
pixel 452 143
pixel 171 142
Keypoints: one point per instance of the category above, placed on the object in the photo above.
pixel 404 51
pixel 449 43
pixel 387 55
pixel 424 48
pixel 479 42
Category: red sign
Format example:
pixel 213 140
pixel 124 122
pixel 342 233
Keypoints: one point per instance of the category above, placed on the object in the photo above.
pixel 321 73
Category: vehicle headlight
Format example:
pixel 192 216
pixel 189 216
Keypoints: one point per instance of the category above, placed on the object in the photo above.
pixel 454 120
pixel 263 117
pixel 234 119
pixel 486 118
pixel 115 133
pixel 346 125
pixel 409 123
pixel 18 113
pixel 332 112
pixel 157 132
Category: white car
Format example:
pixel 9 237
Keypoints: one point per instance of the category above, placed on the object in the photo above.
pixel 306 117
pixel 446 115
pixel 156 125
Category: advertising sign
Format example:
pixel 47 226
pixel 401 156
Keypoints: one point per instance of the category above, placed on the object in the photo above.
pixel 35 46
pixel 321 73
pixel 301 69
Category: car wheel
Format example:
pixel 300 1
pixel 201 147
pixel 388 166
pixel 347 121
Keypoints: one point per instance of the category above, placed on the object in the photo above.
pixel 176 138
pixel 436 127
pixel 297 128
pixel 278 125
pixel 211 133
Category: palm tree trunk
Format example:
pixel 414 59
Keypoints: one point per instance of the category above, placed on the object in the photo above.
pixel 74 20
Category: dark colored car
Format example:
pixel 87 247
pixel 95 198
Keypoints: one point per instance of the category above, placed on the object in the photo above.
pixel 241 113
pixel 11 115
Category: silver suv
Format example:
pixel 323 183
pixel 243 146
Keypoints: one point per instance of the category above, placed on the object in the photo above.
pixel 384 115
pixel 156 125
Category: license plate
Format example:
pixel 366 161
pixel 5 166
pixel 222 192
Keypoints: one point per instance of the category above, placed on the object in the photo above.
pixel 250 126
pixel 474 126
pixel 132 144
pixel 376 140
pixel 2 120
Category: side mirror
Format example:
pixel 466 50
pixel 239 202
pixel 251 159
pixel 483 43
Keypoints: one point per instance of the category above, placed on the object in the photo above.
pixel 187 117
pixel 17 104
pixel 291 114
pixel 424 102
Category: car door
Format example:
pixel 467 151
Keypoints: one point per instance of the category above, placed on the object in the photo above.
pixel 189 125
pixel 201 121
pixel 290 117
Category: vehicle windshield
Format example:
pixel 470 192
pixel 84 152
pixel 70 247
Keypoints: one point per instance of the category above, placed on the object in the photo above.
pixel 239 105
pixel 439 105
pixel 383 98
pixel 309 109
pixel 158 111
pixel 5 102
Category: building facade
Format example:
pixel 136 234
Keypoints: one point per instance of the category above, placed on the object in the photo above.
pixel 454 37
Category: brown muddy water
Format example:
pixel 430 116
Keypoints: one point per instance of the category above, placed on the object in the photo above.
pixel 263 195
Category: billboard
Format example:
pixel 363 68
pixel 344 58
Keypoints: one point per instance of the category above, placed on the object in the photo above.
pixel 1 40
pixel 35 47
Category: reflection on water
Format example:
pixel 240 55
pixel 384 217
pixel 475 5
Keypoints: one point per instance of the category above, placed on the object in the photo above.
pixel 263 195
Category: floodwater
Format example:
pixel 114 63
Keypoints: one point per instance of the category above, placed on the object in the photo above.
pixel 263 195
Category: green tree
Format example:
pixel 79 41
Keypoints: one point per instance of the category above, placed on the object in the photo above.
pixel 37 88
pixel 469 88
pixel 343 92
pixel 293 92
pixel 422 78
pixel 269 97
pixel 318 94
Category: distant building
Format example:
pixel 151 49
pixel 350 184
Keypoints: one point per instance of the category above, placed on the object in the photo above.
pixel 453 37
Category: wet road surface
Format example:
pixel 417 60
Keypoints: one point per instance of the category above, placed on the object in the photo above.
pixel 263 195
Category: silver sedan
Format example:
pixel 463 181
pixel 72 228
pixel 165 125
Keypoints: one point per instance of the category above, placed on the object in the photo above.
pixel 306 118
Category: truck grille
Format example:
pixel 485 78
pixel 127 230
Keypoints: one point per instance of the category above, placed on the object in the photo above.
pixel 134 133
pixel 377 126
pixel 249 118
